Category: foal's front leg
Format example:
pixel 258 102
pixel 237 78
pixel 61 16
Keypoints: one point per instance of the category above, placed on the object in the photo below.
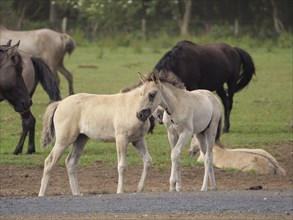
pixel 175 178
pixel 121 145
pixel 147 162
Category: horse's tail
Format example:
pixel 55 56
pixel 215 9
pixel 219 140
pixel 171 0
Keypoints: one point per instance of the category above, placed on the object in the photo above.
pixel 273 162
pixel 48 125
pixel 280 171
pixel 248 69
pixel 46 78
pixel 68 43
pixel 277 168
pixel 218 134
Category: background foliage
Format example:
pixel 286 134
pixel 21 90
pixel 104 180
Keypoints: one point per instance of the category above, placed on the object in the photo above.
pixel 104 18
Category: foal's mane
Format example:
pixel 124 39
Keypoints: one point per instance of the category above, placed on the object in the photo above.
pixel 163 75
pixel 166 77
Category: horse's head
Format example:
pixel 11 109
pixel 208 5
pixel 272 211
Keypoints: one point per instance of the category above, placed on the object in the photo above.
pixel 158 114
pixel 150 96
pixel 12 86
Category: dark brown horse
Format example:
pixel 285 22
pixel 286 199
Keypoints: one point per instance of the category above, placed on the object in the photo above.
pixel 210 67
pixel 33 70
pixel 12 86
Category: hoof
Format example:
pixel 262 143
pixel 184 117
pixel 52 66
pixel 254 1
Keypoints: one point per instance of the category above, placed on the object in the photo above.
pixel 225 130
pixel 16 152
pixel 31 151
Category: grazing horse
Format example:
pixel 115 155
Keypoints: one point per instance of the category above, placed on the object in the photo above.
pixel 186 113
pixel 243 159
pixel 34 70
pixel 47 44
pixel 210 67
pixel 12 86
pixel 120 118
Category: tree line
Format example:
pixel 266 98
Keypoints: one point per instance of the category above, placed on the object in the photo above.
pixel 149 18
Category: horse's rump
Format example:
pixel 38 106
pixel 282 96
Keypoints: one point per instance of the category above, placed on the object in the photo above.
pixel 68 43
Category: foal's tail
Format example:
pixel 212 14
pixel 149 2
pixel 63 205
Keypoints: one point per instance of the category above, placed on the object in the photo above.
pixel 248 69
pixel 48 125
pixel 46 78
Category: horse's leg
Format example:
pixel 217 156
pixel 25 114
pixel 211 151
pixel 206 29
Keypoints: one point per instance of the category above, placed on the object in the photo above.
pixel 121 145
pixel 31 138
pixel 193 148
pixel 225 100
pixel 206 142
pixel 68 76
pixel 49 164
pixel 203 147
pixel 147 161
pixel 173 138
pixel 210 144
pixel 231 91
pixel 72 160
pixel 28 125
pixel 55 73
pixel 175 178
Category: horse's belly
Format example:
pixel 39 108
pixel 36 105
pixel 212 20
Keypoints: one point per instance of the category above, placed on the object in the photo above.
pixel 104 134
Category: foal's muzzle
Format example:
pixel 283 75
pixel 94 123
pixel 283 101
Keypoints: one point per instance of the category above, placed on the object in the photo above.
pixel 143 114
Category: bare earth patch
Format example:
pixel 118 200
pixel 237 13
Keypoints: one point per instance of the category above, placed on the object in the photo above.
pixel 18 181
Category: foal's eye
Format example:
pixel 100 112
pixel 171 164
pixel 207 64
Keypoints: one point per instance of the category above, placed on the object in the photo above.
pixel 152 95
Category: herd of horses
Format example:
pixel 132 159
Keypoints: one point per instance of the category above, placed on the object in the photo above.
pixel 178 92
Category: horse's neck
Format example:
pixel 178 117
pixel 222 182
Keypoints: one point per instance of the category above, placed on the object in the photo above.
pixel 132 97
pixel 171 96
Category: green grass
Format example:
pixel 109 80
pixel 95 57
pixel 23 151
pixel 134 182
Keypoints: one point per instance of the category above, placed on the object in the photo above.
pixel 261 116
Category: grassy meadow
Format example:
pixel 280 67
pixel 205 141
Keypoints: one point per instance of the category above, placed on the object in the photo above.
pixel 261 115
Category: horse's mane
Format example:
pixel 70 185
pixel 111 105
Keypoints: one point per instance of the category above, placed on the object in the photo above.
pixel 169 60
pixel 163 76
pixel 166 77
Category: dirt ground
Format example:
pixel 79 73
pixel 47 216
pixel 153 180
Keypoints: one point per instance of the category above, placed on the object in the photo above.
pixel 102 179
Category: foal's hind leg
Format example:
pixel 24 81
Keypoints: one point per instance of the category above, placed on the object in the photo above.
pixel 49 164
pixel 147 162
pixel 204 145
pixel 72 160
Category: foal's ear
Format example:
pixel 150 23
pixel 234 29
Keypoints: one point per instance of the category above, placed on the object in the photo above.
pixel 142 77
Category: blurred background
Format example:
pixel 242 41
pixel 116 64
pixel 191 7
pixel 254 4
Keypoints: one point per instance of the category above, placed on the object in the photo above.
pixel 136 22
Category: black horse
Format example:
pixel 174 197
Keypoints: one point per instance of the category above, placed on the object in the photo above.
pixel 28 71
pixel 210 67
